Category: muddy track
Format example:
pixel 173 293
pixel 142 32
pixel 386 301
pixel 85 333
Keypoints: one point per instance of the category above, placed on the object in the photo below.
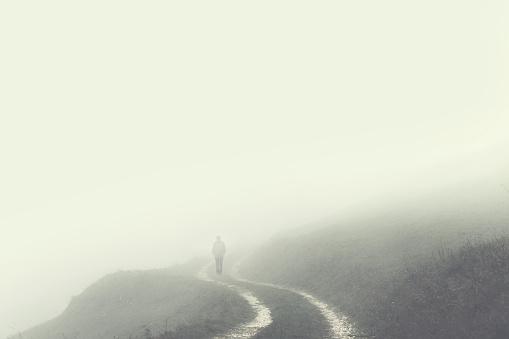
pixel 282 312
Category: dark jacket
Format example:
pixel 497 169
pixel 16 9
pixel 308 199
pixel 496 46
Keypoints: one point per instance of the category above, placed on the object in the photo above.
pixel 219 249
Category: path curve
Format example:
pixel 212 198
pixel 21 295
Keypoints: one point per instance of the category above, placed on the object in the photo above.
pixel 340 328
pixel 247 330
pixel 339 325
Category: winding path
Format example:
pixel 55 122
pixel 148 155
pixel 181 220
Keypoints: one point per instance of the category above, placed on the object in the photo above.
pixel 293 309
pixel 247 330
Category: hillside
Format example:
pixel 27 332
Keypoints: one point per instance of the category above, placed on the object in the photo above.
pixel 144 304
pixel 358 261
pixel 429 266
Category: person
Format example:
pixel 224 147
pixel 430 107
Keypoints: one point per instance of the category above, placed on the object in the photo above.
pixel 218 250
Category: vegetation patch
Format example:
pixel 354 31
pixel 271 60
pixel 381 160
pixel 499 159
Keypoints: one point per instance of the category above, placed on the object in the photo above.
pixel 147 304
pixel 453 294
pixel 406 283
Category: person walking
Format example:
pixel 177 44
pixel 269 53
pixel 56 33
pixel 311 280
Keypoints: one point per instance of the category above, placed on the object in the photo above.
pixel 218 250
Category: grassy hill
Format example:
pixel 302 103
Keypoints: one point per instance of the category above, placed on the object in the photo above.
pixel 433 266
pixel 394 272
pixel 147 304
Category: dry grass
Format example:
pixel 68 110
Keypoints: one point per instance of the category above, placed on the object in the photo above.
pixel 453 294
pixel 145 304
pixel 392 286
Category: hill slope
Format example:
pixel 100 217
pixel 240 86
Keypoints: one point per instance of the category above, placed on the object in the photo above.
pixel 142 304
pixel 358 261
pixel 380 266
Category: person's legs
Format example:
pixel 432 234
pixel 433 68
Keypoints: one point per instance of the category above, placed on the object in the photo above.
pixel 218 263
pixel 221 265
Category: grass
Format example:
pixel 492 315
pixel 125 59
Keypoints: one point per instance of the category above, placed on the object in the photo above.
pixel 450 293
pixel 199 328
pixel 406 273
pixel 146 304
pixel 461 293
pixel 453 294
pixel 216 318
pixel 412 272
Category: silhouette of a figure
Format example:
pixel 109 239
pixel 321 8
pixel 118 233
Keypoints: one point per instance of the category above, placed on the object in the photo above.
pixel 218 250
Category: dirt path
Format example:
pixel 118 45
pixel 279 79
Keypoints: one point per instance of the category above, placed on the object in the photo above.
pixel 250 329
pixel 282 312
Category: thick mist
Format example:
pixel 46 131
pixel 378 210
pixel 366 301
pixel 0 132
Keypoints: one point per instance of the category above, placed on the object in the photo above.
pixel 133 134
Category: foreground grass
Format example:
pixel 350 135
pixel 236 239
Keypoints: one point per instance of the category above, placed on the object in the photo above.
pixel 405 269
pixel 199 328
pixel 448 293
pixel 208 326
pixel 453 294
pixel 146 304
pixel 387 273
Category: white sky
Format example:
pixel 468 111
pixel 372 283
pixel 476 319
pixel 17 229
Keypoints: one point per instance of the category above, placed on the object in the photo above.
pixel 131 133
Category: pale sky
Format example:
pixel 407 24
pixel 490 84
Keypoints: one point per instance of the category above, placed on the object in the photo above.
pixel 132 133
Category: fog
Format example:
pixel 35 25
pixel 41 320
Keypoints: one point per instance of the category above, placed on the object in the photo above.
pixel 134 133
